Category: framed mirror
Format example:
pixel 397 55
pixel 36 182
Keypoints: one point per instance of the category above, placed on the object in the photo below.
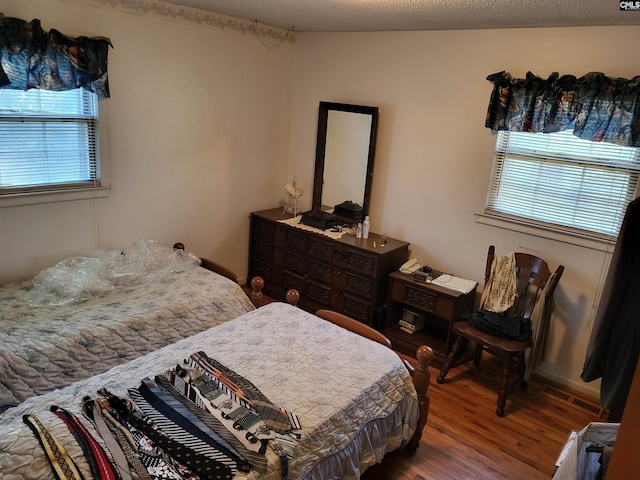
pixel 345 151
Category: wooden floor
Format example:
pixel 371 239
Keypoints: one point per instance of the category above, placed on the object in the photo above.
pixel 464 439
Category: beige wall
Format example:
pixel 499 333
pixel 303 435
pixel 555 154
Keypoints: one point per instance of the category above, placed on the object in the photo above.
pixel 207 124
pixel 197 137
pixel 434 155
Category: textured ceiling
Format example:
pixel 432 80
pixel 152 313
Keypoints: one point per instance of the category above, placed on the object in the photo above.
pixel 388 15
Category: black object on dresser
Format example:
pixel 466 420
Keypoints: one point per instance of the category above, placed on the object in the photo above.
pixel 349 275
pixel 440 306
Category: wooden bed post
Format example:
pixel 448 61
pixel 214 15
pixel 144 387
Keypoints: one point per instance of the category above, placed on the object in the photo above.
pixel 293 297
pixel 421 380
pixel 256 295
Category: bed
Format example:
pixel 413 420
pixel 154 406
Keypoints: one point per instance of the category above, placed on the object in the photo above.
pixel 103 308
pixel 355 398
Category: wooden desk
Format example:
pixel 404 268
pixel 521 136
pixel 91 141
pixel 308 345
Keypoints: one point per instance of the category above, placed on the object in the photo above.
pixel 441 307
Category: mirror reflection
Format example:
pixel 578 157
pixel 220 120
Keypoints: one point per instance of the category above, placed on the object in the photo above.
pixel 344 155
pixel 346 152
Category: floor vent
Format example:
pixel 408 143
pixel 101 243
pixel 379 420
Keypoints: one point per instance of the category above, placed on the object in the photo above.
pixel 572 400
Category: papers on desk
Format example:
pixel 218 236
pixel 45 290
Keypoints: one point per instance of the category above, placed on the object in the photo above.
pixel 454 283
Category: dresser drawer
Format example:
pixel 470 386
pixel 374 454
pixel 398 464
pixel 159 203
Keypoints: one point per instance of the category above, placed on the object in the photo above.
pixel 262 249
pixel 290 280
pixel 320 271
pixel 319 293
pixel 262 269
pixel 294 261
pixel 263 231
pixel 320 249
pixel 361 262
pixel 359 285
pixel 421 298
pixel 357 308
pixel 296 241
pixel 405 292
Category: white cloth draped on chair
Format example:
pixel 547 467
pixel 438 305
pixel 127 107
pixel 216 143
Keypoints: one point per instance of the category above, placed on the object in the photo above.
pixel 501 289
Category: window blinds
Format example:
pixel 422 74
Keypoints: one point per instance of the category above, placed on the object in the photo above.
pixel 48 140
pixel 559 179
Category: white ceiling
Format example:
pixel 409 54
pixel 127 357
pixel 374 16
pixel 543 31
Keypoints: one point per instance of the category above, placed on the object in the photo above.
pixel 388 15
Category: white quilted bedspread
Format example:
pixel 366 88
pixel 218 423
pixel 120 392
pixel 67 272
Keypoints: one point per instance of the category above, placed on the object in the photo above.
pixel 47 347
pixel 354 397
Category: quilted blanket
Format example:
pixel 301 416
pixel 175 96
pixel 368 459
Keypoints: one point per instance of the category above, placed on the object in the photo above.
pixel 50 346
pixel 355 399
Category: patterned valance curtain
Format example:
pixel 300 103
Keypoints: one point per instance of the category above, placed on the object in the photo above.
pixel 31 57
pixel 596 107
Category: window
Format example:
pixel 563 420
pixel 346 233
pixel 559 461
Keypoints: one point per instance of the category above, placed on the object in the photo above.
pixel 560 181
pixel 48 141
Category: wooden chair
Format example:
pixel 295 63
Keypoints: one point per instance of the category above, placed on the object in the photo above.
pixel 534 279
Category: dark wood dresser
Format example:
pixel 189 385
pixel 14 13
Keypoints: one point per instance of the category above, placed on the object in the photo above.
pixel 349 275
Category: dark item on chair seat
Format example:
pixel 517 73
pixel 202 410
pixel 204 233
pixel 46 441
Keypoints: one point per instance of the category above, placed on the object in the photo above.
pixel 513 328
pixel 535 280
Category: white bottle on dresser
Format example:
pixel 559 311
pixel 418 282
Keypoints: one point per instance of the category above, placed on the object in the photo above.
pixel 365 227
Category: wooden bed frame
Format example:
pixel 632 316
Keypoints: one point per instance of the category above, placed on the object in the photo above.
pixel 419 367
pixel 255 294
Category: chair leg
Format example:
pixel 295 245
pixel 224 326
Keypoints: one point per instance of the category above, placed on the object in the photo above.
pixel 478 354
pixel 460 343
pixel 504 386
pixel 522 368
